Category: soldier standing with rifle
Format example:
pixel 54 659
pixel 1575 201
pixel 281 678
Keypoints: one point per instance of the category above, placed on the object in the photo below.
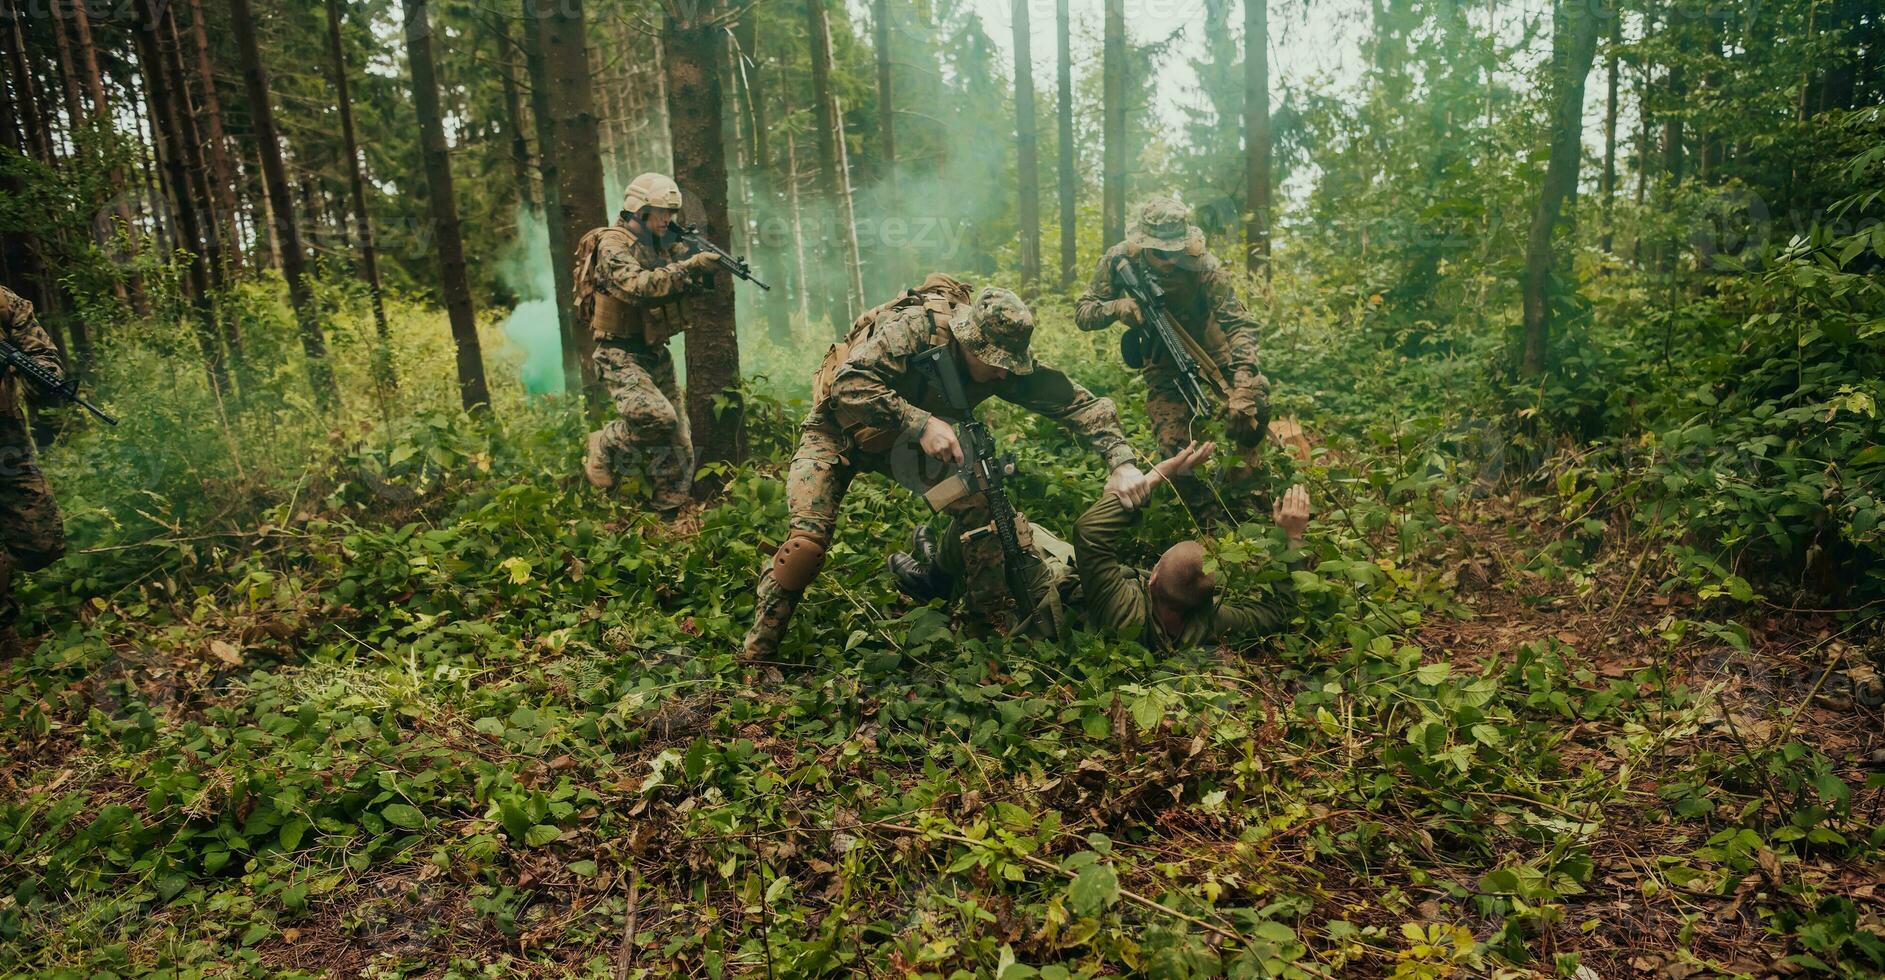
pixel 32 535
pixel 631 284
pixel 878 405
pixel 1188 330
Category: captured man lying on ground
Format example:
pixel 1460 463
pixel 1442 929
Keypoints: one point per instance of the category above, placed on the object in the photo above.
pixel 1087 584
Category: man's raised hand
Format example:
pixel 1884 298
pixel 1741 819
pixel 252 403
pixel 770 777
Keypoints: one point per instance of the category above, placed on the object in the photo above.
pixel 1292 513
pixel 1183 461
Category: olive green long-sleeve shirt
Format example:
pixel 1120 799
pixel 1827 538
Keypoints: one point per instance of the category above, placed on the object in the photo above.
pixel 1116 597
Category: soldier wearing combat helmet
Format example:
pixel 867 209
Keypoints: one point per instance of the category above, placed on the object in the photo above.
pixel 32 534
pixel 873 410
pixel 1164 244
pixel 631 285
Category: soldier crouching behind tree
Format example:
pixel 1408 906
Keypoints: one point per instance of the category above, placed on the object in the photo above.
pixel 32 535
pixel 872 409
pixel 631 284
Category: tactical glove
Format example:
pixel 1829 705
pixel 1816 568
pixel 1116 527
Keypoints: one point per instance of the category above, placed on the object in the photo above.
pixel 1125 311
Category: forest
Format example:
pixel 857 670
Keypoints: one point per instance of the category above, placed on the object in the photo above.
pixel 459 570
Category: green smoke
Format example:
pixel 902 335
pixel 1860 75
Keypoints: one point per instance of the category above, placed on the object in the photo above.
pixel 526 270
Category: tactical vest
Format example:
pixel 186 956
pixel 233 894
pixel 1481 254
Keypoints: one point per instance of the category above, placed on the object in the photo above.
pixel 941 295
pixel 614 319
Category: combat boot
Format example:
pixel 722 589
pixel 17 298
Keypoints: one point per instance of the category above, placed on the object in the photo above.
pixel 596 464
pixel 10 646
pixel 918 572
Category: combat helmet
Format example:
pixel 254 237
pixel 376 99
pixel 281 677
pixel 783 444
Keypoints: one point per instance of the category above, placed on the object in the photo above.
pixel 651 190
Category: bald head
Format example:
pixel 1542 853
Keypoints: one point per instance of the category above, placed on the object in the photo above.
pixel 1179 578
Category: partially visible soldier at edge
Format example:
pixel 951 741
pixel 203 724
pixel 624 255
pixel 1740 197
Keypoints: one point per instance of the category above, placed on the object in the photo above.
pixel 631 283
pixel 32 534
pixel 1199 295
pixel 873 411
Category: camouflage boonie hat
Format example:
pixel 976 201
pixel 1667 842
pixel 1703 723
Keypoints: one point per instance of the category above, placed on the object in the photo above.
pixel 1164 225
pixel 997 328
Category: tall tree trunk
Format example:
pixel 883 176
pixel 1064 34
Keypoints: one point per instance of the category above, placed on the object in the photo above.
pixel 771 254
pixel 37 139
pixel 222 169
pixel 170 46
pixel 795 225
pixel 156 187
pixel 356 180
pixel 1257 136
pixel 1113 86
pixel 1609 187
pixel 473 391
pixel 513 121
pixel 834 181
pixel 275 176
pixel 562 237
pixel 101 116
pixel 692 49
pixel 68 79
pixel 147 31
pixel 892 259
pixel 579 160
pixel 1575 44
pixel 1068 178
pixel 1027 148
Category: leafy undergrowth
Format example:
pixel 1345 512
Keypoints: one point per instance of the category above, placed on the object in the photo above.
pixel 438 709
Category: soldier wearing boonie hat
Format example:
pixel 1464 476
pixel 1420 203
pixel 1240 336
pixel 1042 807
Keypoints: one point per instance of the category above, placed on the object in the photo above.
pixel 872 410
pixel 1200 296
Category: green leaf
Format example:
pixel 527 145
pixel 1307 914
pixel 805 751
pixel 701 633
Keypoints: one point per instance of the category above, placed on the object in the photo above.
pixel 1147 710
pixel 1094 889
pixel 401 815
pixel 583 869
pixel 516 822
pixel 290 834
pixel 542 834
pixel 1432 674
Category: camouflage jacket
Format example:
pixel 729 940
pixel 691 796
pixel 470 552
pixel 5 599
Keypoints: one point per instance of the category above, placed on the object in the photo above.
pixel 876 395
pixel 1201 299
pixel 22 329
pixel 1115 596
pixel 642 275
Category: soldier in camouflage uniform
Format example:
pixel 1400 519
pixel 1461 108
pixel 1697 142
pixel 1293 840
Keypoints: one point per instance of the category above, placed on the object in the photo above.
pixel 631 283
pixel 1198 293
pixel 873 411
pixel 32 535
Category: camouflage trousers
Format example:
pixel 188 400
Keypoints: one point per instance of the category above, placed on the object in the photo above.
pixel 815 484
pixel 648 440
pixel 32 534
pixel 1051 578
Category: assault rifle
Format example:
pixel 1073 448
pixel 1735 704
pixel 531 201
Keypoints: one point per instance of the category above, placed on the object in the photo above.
pixel 699 243
pixel 47 381
pixel 982 471
pixel 1150 297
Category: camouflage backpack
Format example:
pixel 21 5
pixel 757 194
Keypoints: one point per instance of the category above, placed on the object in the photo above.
pixel 610 317
pixel 940 294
